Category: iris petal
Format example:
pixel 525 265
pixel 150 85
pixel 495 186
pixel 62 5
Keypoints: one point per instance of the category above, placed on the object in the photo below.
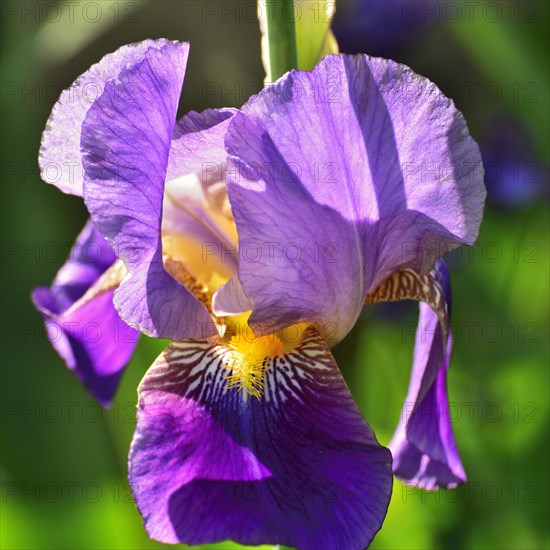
pixel 60 158
pixel 197 223
pixel 423 447
pixel 81 321
pixel 198 142
pixel 126 140
pixel 231 300
pixel 341 176
pixel 299 466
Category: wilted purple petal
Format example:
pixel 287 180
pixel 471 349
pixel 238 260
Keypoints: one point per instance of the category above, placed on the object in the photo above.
pixel 299 466
pixel 125 142
pixel 60 156
pixel 338 178
pixel 87 333
pixel 423 447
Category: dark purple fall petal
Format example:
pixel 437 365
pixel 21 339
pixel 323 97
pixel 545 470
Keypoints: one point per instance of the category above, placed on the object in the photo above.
pixel 299 466
pixel 423 447
pixel 125 142
pixel 90 337
pixel 341 176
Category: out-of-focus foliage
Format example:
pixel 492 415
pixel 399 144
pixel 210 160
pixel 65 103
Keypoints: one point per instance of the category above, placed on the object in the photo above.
pixel 313 35
pixel 63 460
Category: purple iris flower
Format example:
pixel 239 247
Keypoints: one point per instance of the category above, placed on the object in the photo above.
pixel 345 185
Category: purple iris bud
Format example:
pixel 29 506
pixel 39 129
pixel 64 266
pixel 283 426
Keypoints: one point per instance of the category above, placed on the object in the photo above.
pixel 253 239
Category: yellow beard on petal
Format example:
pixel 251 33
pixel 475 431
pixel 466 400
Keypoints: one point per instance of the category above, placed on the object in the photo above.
pixel 247 361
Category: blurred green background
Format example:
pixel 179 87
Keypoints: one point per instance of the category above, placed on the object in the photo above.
pixel 63 460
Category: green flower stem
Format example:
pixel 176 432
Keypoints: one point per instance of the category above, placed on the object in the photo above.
pixel 281 37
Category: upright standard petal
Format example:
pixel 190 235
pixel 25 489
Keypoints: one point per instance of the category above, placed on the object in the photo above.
pixel 81 321
pixel 423 447
pixel 125 143
pixel 297 466
pixel 339 177
pixel 60 158
pixel 198 142
pixel 197 223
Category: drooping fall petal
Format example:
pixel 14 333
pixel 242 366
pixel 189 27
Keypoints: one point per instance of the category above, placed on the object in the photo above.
pixel 298 466
pixel 423 447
